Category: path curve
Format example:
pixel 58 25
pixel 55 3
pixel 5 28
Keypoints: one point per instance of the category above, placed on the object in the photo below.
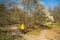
pixel 44 35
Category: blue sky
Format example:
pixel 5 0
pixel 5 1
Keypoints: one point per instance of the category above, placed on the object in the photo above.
pixel 50 3
pixel 47 3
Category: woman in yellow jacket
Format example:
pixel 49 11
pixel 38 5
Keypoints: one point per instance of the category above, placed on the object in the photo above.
pixel 22 28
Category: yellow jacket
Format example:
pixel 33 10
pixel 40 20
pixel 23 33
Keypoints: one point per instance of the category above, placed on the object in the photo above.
pixel 22 27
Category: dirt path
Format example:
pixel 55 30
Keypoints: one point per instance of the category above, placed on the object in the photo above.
pixel 44 35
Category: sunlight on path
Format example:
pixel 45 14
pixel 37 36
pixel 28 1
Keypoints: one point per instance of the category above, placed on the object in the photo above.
pixel 44 35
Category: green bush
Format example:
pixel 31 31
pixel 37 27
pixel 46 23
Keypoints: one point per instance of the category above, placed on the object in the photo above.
pixel 4 36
